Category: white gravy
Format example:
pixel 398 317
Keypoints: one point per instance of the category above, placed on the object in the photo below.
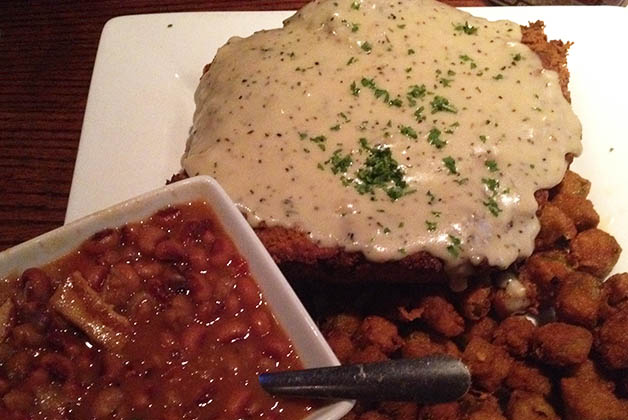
pixel 387 128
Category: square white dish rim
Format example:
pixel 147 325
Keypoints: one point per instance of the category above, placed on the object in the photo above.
pixel 98 184
pixel 285 305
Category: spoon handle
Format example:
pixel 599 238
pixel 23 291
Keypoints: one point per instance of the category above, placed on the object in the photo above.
pixel 428 380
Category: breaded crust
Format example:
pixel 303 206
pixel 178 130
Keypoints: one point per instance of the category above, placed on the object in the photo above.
pixel 299 257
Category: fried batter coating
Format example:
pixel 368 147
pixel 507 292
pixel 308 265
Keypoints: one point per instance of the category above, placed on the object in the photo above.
pixel 561 344
pixel 420 344
pixel 379 332
pixel 578 209
pixel 527 377
pixel 555 225
pixel 587 396
pixel 515 334
pixel 524 405
pixel 546 270
pixel 299 258
pixel 486 415
pixel 595 252
pixel 346 323
pixel 578 300
pixel 341 344
pixel 516 297
pixel 441 316
pixel 542 198
pixel 612 340
pixel 573 184
pixel 481 407
pixel 553 54
pixel 368 354
pixel 447 411
pixel 614 295
pixel 484 328
pixel 489 364
pixel 475 302
pixel 400 410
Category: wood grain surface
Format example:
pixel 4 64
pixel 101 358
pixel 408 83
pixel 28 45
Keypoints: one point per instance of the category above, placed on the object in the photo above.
pixel 47 52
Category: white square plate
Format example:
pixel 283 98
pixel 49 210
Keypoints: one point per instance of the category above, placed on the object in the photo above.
pixel 284 303
pixel 141 99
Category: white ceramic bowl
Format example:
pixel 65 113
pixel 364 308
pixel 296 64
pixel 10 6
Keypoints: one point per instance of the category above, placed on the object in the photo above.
pixel 296 322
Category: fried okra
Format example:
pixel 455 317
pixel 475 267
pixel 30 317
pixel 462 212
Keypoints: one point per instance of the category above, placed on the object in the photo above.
pixel 489 364
pixel 579 299
pixel 612 340
pixel 514 334
pixel 562 344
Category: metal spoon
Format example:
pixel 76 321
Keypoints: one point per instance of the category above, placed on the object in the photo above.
pixel 429 380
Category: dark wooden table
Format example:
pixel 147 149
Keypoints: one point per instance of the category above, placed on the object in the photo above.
pixel 47 52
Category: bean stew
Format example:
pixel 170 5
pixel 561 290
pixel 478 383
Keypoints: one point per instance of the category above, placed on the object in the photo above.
pixel 158 319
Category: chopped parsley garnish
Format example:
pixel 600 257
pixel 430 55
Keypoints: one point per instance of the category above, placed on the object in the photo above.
pixel 351 61
pixel 379 92
pixel 483 138
pixel 410 51
pixel 440 103
pixel 416 91
pixel 355 90
pixel 434 139
pixel 466 28
pixel 431 226
pixel 302 136
pixel 491 183
pixel 454 246
pixel 517 57
pixel 491 203
pixel 445 82
pixel 418 114
pixel 498 76
pixel 466 58
pixel 355 5
pixel 431 196
pixel 381 170
pixel 450 163
pixel 335 127
pixel 366 46
pixel 492 206
pixel 339 163
pixel 491 165
pixel 369 83
pixel 319 141
pixel 408 131
pixel 355 27
pixel 452 127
